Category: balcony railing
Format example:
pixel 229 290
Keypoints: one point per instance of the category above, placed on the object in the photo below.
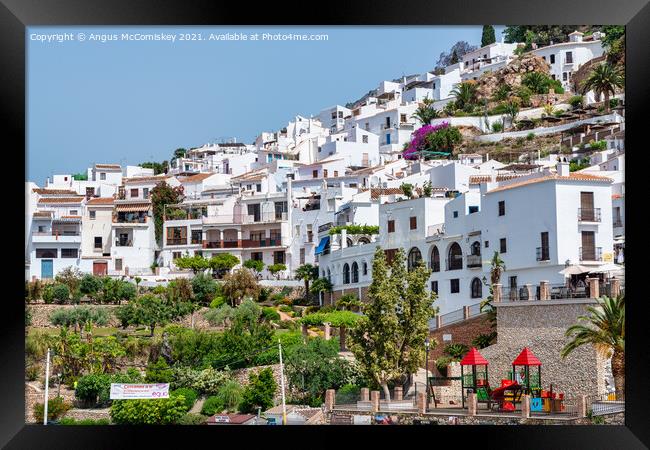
pixel 176 241
pixel 591 253
pixel 128 243
pixel 543 254
pixel 56 233
pixel 455 263
pixel 267 242
pixel 474 261
pixel 589 214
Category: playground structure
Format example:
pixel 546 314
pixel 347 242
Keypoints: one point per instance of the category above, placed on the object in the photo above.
pixel 523 379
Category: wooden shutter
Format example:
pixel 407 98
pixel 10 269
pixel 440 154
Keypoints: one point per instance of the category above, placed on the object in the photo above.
pixel 587 205
pixel 588 245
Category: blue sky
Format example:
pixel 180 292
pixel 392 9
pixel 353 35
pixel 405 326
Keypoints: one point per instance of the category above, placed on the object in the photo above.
pixel 128 101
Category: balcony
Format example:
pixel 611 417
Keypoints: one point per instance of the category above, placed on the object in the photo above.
pixel 123 243
pixel 176 241
pixel 266 242
pixel 591 253
pixel 455 263
pixel 56 236
pixel 265 218
pixel 474 261
pixel 589 214
pixel 543 254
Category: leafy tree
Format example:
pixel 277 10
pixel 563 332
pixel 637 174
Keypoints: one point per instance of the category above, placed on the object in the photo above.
pixel 425 112
pixel 388 343
pixel 239 285
pixel 307 273
pixel 71 277
pixel 259 392
pixel 126 291
pixel 321 285
pixel 163 195
pixel 196 263
pixel 488 36
pixel 542 35
pixel 275 269
pixel 90 285
pixel 223 262
pixel 604 79
pixel 179 153
pixel 536 82
pixel 79 316
pixel 256 265
pixel 190 396
pixel 456 350
pixel 454 57
pixel 511 109
pixel 457 51
pixel 61 293
pixel 149 310
pixel 205 288
pixel 159 372
pixel 604 329
pixel 156 166
pixel 160 411
pixel 180 290
pixel 407 189
pixel 348 302
pixel 497 267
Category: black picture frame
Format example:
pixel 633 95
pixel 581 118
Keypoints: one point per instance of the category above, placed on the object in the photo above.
pixel 16 15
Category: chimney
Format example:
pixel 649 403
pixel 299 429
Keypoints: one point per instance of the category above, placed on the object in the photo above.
pixel 562 168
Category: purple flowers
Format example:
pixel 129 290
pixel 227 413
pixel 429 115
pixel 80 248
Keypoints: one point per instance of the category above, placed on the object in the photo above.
pixel 419 140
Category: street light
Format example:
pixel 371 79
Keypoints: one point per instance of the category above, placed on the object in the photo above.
pixel 426 346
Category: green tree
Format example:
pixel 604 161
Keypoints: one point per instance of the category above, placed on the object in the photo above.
pixel 307 273
pixel 156 166
pixel 488 36
pixel 161 195
pixel 425 112
pixel 149 310
pixel 230 395
pixel 276 269
pixel 465 95
pixel 179 153
pixel 61 293
pixel 256 265
pixel 389 342
pixel 71 277
pixel 321 285
pixel 454 57
pixel 205 288
pixel 196 263
pixel 259 392
pixel 604 79
pixel 497 267
pixel 239 285
pixel 159 371
pixel 444 139
pixel 222 263
pixel 511 109
pixel 603 328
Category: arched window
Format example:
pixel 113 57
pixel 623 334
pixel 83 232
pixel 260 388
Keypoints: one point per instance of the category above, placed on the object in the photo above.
pixel 476 248
pixel 349 241
pixel 474 257
pixel 435 259
pixel 364 268
pixel 363 241
pixel 355 272
pixel 346 273
pixel 477 288
pixel 415 257
pixel 455 257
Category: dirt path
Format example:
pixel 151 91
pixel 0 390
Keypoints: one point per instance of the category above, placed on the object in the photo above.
pixel 196 409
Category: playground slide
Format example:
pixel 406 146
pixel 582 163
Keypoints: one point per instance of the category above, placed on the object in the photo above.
pixel 498 394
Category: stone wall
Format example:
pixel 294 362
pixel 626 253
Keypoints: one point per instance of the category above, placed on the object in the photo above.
pixel 461 333
pixel 541 327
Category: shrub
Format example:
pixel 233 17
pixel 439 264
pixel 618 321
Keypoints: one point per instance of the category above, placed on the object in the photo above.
pixel 598 145
pixel 90 285
pixel 48 294
pixel 259 392
pixel 285 309
pixel 61 293
pixel 211 406
pixel 56 407
pixel 92 422
pixel 126 291
pixel 497 127
pixel 576 101
pixel 190 396
pixel 160 411
pixel 230 395
pixel 270 314
pixel 456 350
pixel 204 288
pixel 275 269
pixel 265 294
pixel 484 340
pixel 159 372
pixel 206 381
pixel 442 363
pixel 192 419
pixel 93 389
pixel 530 136
pixel 348 394
pixel 218 302
pixel 613 102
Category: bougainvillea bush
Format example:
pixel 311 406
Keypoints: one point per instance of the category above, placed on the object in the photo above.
pixel 439 138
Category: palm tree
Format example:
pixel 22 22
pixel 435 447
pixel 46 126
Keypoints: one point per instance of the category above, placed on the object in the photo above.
pixel 605 330
pixel 604 79
pixel 321 285
pixel 425 112
pixel 307 273
pixel 536 82
pixel 498 266
pixel 465 95
pixel 511 109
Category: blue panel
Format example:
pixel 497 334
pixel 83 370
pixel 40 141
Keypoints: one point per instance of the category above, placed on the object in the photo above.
pixel 322 244
pixel 47 268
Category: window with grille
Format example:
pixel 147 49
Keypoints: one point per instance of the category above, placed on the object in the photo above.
pixel 502 208
pixel 502 245
pixel 454 285
pixel 69 253
pixel 46 253
pixel 413 223
pixel 391 226
pixel 98 242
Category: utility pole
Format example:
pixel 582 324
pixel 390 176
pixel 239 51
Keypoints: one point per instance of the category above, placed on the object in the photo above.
pixel 284 406
pixel 47 386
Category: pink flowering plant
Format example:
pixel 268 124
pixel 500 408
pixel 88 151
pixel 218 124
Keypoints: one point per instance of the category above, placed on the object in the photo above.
pixel 435 138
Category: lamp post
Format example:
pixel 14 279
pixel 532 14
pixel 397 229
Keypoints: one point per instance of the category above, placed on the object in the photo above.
pixel 426 346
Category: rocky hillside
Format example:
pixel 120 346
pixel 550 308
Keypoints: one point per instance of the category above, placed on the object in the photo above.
pixel 510 75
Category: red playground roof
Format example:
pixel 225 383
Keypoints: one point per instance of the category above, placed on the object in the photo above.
pixel 526 358
pixel 473 358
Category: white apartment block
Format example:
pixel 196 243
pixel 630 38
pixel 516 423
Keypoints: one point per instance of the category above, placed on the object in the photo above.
pixel 486 59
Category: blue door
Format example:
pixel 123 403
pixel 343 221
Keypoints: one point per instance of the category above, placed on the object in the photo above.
pixel 388 138
pixel 47 268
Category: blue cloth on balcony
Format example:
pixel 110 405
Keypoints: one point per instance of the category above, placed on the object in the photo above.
pixel 322 244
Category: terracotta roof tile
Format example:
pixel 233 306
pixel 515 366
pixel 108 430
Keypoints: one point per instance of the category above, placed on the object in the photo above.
pixel 148 179
pixel 60 200
pixel 195 178
pixel 42 213
pixel 554 177
pixel 100 201
pixel 108 166
pixel 43 191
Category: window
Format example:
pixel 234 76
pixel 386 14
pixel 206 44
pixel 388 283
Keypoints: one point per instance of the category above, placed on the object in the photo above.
pixel 455 257
pixel 402 118
pixel 92 215
pixel 346 273
pixel 364 268
pixel 388 139
pixel 176 255
pixel 98 242
pixel 118 264
pixel 69 253
pixel 435 259
pixel 502 245
pixel 434 286
pixel 177 236
pixel 413 223
pixel 513 282
pixel 455 214
pixel 564 76
pixel 367 126
pixel 145 192
pixel 302 256
pixel 340 114
pixel 257 256
pixel 197 235
pixel 355 272
pixel 134 192
pixel 473 209
pixel 391 226
pixel 41 229
pixel 387 122
pixel 324 173
pixel 477 288
pixel 90 192
pixel 364 139
pixel 278 257
pixel 319 149
pixel 455 286
pixel 552 57
pixel 502 208
pixel 487 244
pixel 390 255
pixel 258 187
pixel 73 212
pixel 314 174
pixel 569 57
pixel 414 258
pixel 336 173
pixel 46 253
pixel 102 176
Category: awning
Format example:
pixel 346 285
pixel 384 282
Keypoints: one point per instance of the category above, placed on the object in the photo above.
pixel 609 267
pixel 576 269
pixel 133 207
pixel 321 245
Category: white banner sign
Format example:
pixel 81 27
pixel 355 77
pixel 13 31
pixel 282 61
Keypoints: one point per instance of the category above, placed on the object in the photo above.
pixel 139 391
